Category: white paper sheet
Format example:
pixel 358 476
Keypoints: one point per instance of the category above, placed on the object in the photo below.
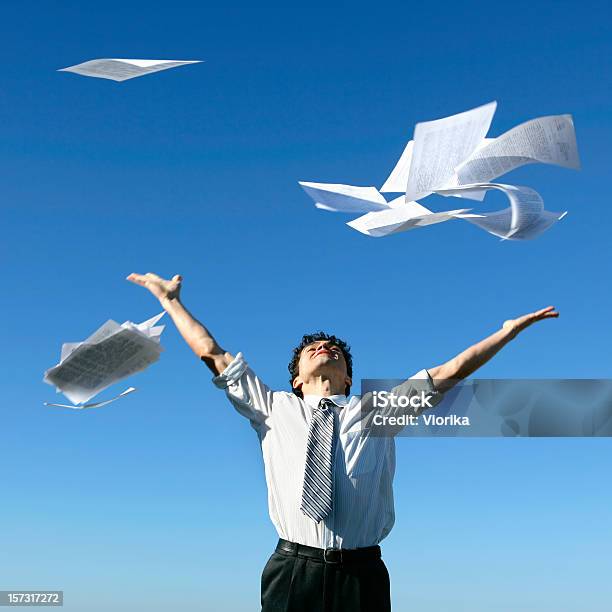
pixel 472 194
pixel 524 219
pixel 402 216
pixel 111 353
pixel 96 404
pixel 441 145
pixel 496 223
pixel 546 220
pixel 526 205
pixel 397 181
pixel 123 69
pixel 548 140
pixel 344 198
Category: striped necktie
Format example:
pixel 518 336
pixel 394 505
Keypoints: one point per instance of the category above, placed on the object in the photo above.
pixel 317 490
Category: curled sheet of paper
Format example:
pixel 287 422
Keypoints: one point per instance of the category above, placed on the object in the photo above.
pixel 524 219
pixel 547 140
pixel 402 216
pixel 113 352
pixel 96 404
pixel 123 69
pixel 441 145
pixel 496 223
pixel 344 198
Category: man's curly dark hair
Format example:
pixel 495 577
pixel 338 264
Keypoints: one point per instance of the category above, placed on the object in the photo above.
pixel 315 337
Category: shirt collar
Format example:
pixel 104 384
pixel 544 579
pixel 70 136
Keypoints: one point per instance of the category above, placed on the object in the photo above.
pixel 313 400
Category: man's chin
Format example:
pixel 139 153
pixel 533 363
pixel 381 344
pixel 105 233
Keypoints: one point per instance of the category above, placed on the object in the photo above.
pixel 324 359
pixel 325 365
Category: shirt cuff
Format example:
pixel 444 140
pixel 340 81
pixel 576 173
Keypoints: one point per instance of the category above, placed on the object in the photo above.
pixel 428 385
pixel 424 375
pixel 232 372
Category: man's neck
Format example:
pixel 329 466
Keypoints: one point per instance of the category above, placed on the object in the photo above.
pixel 321 386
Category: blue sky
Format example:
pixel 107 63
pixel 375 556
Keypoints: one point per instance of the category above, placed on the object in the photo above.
pixel 195 171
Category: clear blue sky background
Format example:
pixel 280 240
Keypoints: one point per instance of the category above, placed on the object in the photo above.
pixel 138 506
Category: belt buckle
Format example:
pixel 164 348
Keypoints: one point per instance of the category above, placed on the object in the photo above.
pixel 327 559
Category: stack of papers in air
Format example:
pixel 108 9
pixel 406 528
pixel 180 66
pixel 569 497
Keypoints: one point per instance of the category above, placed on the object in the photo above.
pixel 110 354
pixel 453 157
pixel 123 69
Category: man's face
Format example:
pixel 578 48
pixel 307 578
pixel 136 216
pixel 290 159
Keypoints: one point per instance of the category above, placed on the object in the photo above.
pixel 322 358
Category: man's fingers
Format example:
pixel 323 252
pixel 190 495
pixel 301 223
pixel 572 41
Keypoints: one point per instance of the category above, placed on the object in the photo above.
pixel 545 310
pixel 139 279
pixel 158 286
pixel 545 313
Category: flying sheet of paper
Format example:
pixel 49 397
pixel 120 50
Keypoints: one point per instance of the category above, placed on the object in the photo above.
pixel 96 404
pixel 524 219
pixel 344 198
pixel 111 353
pixel 441 145
pixel 549 140
pixel 402 216
pixel 123 69
pixel 397 181
pixel 496 223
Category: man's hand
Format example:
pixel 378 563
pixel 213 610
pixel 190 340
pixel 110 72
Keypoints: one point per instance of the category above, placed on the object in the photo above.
pixel 162 289
pixel 518 325
pixel 199 339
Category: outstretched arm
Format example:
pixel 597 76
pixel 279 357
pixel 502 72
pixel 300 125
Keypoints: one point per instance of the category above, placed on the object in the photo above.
pixel 467 362
pixel 199 339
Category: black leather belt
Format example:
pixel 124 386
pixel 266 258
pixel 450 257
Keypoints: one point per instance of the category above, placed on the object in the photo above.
pixel 328 555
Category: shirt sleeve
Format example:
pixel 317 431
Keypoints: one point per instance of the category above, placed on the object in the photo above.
pixel 247 393
pixel 420 382
pixel 421 387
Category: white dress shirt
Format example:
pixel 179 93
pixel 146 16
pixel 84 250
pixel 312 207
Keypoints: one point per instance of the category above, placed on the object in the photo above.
pixel 362 512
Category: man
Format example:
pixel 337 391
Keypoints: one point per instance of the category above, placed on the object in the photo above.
pixel 329 483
